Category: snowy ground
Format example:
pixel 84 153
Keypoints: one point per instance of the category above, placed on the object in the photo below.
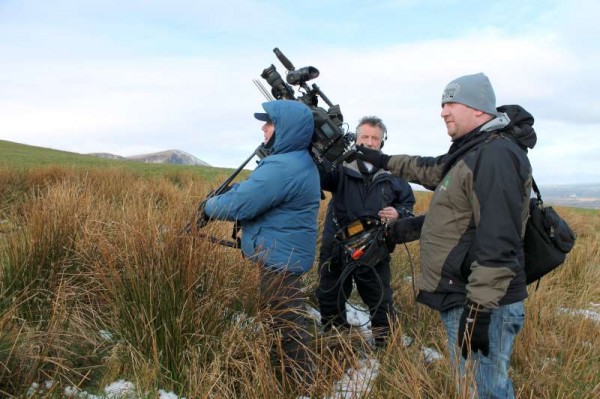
pixel 355 383
pixel 117 390
pixel 592 314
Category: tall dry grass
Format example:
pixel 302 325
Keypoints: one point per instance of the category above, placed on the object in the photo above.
pixel 97 283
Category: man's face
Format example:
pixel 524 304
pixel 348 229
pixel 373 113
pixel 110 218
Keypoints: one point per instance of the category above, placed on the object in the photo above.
pixel 369 136
pixel 460 119
pixel 268 128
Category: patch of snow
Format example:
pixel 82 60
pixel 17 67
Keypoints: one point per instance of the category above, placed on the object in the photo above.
pixel 119 389
pixel 167 395
pixel 588 314
pixel 71 392
pixel 431 355
pixel 33 388
pixel 357 383
pixel 313 313
pixel 105 335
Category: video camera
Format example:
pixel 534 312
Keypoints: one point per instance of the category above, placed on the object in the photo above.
pixel 330 145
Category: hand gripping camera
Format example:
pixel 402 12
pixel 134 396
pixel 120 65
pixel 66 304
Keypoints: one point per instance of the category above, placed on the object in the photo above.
pixel 330 145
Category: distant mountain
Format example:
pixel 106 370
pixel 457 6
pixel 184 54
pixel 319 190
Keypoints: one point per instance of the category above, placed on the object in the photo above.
pixel 176 157
pixel 575 195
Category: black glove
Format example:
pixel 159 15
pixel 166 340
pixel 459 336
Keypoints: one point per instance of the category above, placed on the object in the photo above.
pixel 202 220
pixel 405 229
pixel 374 157
pixel 473 329
pixel 223 191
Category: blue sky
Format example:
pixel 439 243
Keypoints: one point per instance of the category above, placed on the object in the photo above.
pixel 132 77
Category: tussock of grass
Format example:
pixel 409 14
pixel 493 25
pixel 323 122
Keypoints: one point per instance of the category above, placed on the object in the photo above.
pixel 98 283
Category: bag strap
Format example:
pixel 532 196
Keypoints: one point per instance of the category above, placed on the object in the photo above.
pixel 541 203
pixel 536 190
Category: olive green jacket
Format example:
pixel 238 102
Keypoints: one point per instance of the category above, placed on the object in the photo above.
pixel 472 238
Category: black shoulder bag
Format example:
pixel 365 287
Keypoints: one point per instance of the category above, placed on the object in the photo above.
pixel 548 239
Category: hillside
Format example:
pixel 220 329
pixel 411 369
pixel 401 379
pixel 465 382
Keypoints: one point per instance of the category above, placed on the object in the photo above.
pixel 22 156
pixel 25 156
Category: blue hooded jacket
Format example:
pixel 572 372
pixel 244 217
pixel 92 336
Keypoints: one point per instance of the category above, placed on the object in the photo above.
pixel 277 206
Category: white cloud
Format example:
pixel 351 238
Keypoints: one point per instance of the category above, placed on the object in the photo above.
pixel 96 87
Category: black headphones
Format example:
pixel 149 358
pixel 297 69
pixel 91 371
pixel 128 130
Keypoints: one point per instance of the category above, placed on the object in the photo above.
pixel 384 138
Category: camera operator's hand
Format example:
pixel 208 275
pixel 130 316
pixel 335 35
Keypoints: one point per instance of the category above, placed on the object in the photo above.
pixel 223 191
pixel 202 220
pixel 473 329
pixel 374 157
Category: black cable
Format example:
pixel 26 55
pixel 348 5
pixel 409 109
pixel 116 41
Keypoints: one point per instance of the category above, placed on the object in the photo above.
pixel 373 311
pixel 412 272
pixel 348 271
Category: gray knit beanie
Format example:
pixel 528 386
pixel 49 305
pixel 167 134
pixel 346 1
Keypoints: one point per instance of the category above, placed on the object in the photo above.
pixel 474 91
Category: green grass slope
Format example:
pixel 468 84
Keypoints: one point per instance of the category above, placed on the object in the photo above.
pixel 21 156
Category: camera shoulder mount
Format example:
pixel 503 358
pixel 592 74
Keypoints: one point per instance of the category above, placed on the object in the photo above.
pixel 330 145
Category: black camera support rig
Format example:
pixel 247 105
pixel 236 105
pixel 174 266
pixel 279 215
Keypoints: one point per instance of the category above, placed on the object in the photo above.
pixel 330 144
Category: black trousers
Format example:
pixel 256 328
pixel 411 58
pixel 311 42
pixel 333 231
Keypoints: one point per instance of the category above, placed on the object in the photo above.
pixel 283 300
pixel 372 284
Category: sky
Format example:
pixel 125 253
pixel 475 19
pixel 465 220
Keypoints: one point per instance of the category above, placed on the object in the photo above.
pixel 135 77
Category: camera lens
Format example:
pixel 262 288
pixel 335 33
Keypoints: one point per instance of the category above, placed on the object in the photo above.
pixel 302 75
pixel 278 86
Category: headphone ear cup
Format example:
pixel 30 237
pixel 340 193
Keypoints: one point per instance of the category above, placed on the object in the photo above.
pixel 384 139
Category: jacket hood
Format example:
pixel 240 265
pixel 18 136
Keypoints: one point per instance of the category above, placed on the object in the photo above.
pixel 520 127
pixel 294 125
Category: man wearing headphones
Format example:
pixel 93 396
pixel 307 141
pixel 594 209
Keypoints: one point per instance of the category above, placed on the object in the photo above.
pixel 362 193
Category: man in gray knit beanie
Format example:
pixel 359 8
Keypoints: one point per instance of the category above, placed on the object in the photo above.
pixel 472 268
pixel 474 91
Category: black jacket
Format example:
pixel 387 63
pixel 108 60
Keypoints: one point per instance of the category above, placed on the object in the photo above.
pixel 358 193
pixel 471 241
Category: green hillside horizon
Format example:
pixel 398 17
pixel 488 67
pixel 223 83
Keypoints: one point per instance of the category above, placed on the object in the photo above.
pixel 23 156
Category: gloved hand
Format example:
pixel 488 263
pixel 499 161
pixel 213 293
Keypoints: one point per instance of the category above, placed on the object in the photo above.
pixel 202 220
pixel 405 229
pixel 223 191
pixel 473 329
pixel 374 157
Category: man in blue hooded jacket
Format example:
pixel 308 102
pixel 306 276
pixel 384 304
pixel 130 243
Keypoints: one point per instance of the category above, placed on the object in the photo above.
pixel 276 208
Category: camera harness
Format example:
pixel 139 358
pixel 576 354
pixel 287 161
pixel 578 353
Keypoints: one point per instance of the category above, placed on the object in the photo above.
pixel 363 245
pixel 359 242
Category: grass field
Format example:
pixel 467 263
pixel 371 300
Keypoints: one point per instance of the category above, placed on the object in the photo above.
pixel 98 284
